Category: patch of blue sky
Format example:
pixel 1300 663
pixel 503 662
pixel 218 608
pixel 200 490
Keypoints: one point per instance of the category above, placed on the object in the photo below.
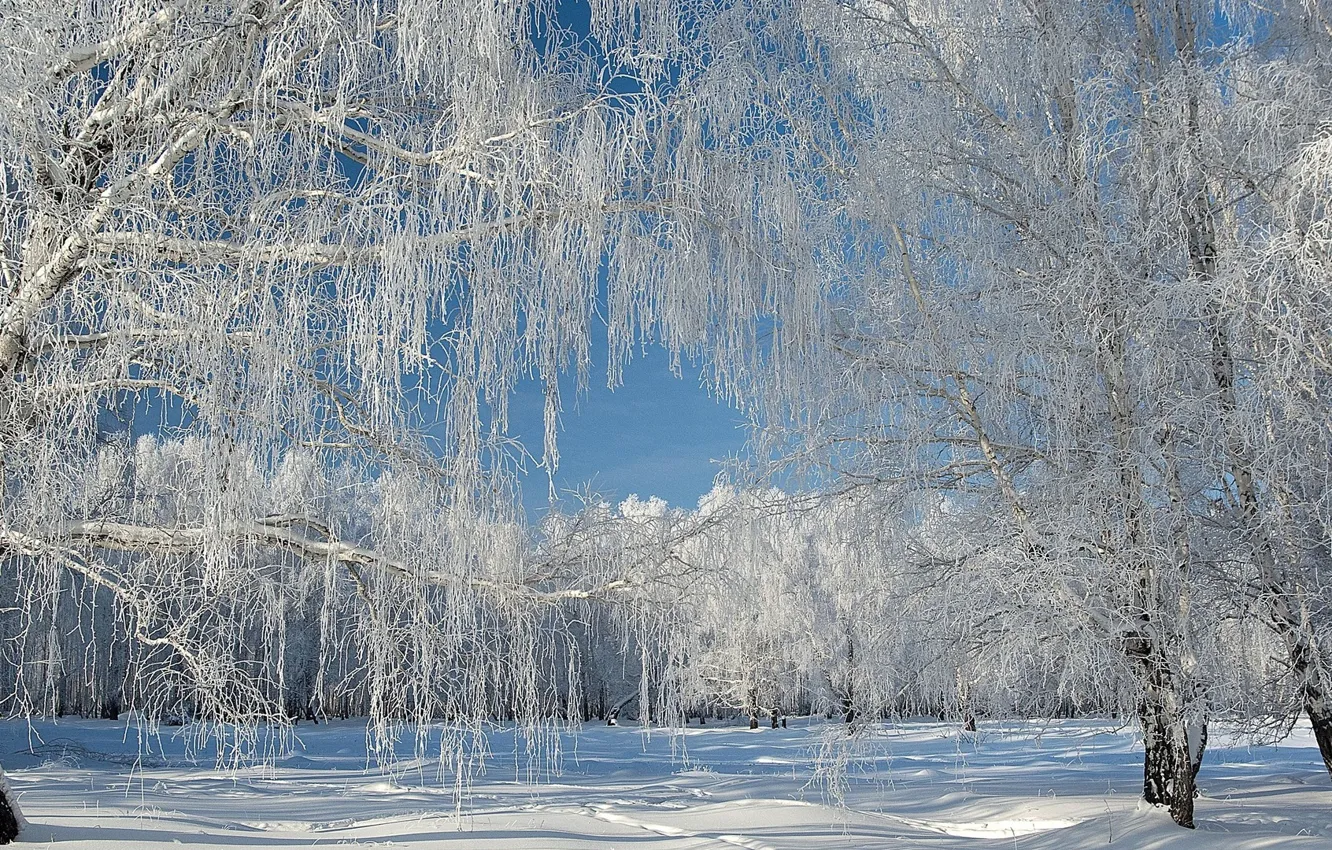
pixel 656 434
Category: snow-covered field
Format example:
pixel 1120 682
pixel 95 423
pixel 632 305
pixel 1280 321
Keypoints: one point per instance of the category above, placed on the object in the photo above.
pixel 1059 785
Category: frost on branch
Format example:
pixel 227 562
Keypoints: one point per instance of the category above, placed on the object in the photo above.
pixel 313 245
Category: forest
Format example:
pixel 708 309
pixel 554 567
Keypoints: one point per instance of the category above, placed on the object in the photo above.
pixel 1026 303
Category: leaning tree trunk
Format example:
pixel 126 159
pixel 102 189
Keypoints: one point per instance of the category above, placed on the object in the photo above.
pixel 1307 667
pixel 1321 717
pixel 11 819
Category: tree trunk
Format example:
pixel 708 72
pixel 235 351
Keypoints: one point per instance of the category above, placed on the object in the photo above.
pixel 1170 764
pixel 1305 663
pixel 963 688
pixel 1183 789
pixel 1156 763
pixel 1321 718
pixel 1173 748
pixel 11 819
pixel 1197 748
pixel 849 692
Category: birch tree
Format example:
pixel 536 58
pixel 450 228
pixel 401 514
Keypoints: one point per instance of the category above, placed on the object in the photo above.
pixel 1271 367
pixel 346 230
pixel 1061 208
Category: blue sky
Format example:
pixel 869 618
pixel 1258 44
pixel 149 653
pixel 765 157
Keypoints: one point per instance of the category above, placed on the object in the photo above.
pixel 657 434
pixel 654 435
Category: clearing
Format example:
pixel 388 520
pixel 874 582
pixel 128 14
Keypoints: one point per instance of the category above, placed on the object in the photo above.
pixel 1060 785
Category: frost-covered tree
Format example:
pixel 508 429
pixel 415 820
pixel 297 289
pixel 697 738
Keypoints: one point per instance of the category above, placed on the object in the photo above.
pixel 340 232
pixel 862 606
pixel 1068 214
pixel 1272 372
pixel 751 627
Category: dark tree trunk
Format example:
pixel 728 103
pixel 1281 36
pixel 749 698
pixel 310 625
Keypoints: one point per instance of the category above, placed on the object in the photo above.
pixel 1184 789
pixel 1170 764
pixel 110 708
pixel 11 821
pixel 849 694
pixel 1156 756
pixel 1306 663
pixel 9 826
pixel 1181 803
pixel 1321 719
pixel 1197 748
pixel 1172 751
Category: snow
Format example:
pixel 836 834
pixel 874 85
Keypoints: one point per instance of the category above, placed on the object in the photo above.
pixel 1059 785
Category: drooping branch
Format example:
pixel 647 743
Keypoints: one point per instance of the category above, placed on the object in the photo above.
pixel 284 532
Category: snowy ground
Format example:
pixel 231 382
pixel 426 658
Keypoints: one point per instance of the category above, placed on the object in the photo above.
pixel 1059 786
